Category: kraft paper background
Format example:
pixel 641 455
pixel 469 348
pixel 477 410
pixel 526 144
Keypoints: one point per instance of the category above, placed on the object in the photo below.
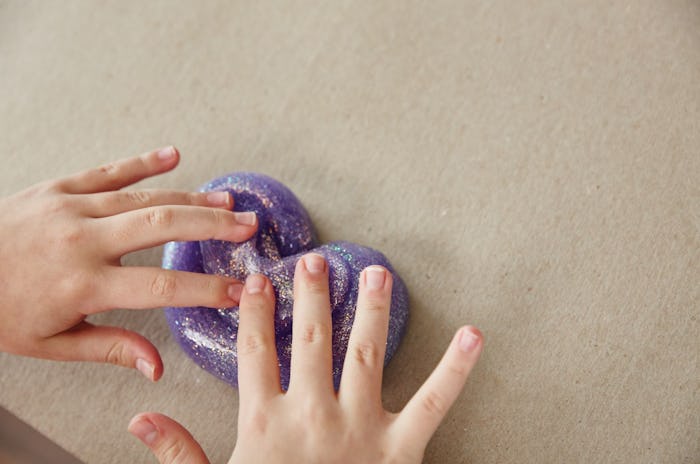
pixel 529 167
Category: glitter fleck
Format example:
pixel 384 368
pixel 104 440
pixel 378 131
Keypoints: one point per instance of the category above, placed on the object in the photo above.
pixel 284 234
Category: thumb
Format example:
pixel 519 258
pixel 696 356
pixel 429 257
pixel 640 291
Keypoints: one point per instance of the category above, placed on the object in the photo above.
pixel 169 441
pixel 115 345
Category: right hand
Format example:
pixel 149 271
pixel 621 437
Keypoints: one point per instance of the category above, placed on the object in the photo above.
pixel 310 423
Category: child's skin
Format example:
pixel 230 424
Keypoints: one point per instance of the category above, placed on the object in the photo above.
pixel 61 246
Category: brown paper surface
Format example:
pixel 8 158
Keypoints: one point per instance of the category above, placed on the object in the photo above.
pixel 532 168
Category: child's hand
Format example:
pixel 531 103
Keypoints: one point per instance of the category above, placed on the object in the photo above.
pixel 311 423
pixel 60 248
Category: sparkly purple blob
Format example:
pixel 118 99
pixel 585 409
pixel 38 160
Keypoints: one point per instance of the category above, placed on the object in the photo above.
pixel 285 234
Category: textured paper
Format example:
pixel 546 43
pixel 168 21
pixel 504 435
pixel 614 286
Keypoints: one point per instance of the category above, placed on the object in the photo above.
pixel 531 168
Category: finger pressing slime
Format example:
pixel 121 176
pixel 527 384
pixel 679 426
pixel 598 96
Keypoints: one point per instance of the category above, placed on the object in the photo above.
pixel 284 235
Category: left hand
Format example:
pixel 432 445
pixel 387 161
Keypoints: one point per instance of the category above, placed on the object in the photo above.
pixel 61 243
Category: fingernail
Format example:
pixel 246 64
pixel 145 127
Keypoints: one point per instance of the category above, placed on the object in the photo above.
pixel 467 340
pixel 144 430
pixel 218 198
pixel 255 284
pixel 146 368
pixel 166 153
pixel 245 219
pixel 375 277
pixel 314 263
pixel 234 291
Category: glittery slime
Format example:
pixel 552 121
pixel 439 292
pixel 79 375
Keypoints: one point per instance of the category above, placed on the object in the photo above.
pixel 284 235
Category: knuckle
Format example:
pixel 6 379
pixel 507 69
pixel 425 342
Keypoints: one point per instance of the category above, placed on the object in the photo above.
pixel 314 332
pixel 140 164
pixel 316 415
pixel 215 288
pixel 163 286
pixel 252 343
pixel 160 217
pixel 138 197
pixel 375 305
pixel 434 404
pixel 57 204
pixel 215 217
pixel 218 222
pixel 194 198
pixel 256 423
pixel 316 286
pixel 254 304
pixel 457 369
pixel 116 354
pixel 366 354
pixel 49 186
pixel 108 169
pixel 79 286
pixel 173 452
pixel 71 235
pixel 221 219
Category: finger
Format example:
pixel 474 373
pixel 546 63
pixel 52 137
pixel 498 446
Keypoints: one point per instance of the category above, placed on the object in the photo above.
pixel 361 383
pixel 114 345
pixel 110 203
pixel 148 227
pixel 169 441
pixel 119 174
pixel 424 412
pixel 258 371
pixel 149 287
pixel 311 364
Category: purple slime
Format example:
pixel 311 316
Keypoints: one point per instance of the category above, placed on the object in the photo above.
pixel 285 233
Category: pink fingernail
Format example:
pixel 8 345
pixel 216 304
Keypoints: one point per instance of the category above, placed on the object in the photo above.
pixel 375 277
pixel 234 291
pixel 314 263
pixel 468 340
pixel 218 198
pixel 255 284
pixel 166 153
pixel 144 430
pixel 146 368
pixel 245 219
